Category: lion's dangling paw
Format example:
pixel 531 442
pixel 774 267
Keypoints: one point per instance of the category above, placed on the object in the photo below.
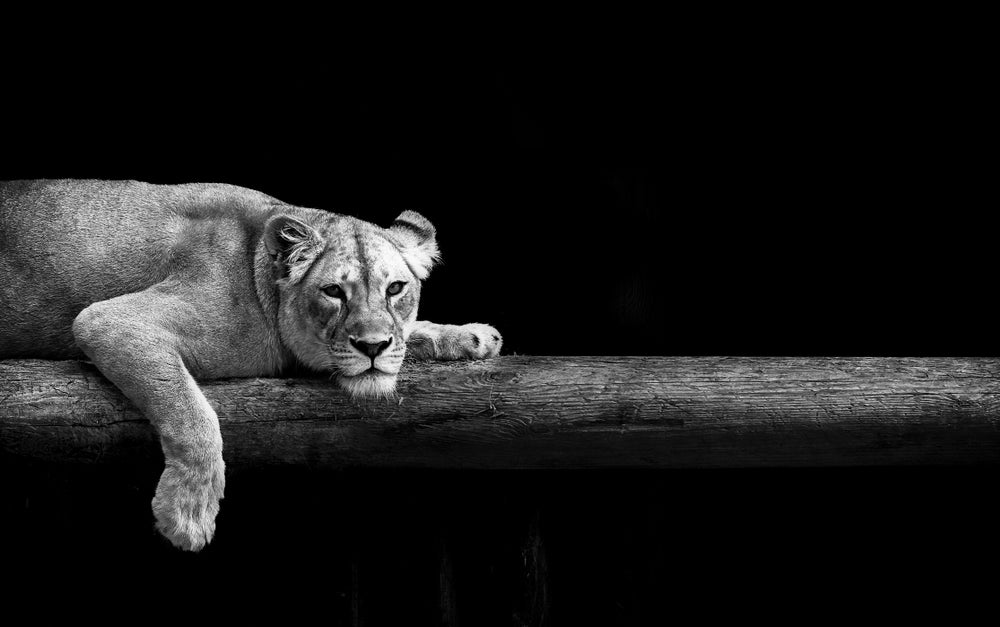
pixel 186 503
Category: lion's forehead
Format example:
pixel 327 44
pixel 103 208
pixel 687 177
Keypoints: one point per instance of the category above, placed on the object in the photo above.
pixel 362 258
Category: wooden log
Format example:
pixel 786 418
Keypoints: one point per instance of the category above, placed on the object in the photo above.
pixel 549 412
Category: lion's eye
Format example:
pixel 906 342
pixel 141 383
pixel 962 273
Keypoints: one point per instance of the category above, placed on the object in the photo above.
pixel 395 288
pixel 334 290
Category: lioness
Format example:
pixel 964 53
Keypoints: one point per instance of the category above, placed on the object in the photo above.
pixel 160 285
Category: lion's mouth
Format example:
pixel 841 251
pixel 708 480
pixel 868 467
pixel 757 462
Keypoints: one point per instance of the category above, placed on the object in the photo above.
pixel 371 382
pixel 371 371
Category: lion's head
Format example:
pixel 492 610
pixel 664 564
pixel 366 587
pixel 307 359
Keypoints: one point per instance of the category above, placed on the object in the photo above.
pixel 349 291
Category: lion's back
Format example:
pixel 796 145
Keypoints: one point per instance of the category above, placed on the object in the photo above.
pixel 65 244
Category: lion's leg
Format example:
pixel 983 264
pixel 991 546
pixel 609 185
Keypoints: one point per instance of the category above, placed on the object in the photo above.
pixel 134 340
pixel 429 340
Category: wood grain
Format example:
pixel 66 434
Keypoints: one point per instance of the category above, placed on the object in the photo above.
pixel 549 412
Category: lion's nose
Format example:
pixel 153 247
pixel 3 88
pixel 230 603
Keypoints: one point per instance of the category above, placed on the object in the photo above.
pixel 371 349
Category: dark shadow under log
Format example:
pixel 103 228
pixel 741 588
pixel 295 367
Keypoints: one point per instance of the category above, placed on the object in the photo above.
pixel 549 412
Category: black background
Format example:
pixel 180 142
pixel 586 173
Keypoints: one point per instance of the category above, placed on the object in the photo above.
pixel 701 190
pixel 729 196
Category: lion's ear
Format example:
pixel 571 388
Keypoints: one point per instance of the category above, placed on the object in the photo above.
pixel 417 240
pixel 292 244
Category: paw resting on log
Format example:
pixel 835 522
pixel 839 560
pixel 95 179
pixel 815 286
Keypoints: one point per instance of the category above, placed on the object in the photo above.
pixel 450 341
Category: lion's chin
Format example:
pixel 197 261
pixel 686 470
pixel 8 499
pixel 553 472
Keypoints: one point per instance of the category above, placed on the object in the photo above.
pixel 369 384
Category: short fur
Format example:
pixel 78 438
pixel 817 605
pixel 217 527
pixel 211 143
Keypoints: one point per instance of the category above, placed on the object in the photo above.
pixel 160 285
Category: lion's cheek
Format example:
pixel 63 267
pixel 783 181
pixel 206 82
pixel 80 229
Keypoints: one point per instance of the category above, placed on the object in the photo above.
pixel 406 306
pixel 323 317
pixel 404 313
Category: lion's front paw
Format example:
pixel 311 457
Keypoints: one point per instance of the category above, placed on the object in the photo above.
pixel 187 501
pixel 454 341
pixel 479 341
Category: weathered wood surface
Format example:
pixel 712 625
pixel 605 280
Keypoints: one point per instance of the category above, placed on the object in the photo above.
pixel 550 412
